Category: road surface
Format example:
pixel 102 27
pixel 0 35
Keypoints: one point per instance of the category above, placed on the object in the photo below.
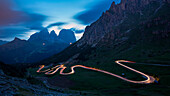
pixel 50 71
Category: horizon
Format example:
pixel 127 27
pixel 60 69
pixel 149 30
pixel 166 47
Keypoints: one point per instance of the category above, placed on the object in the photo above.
pixel 29 17
pixel 97 48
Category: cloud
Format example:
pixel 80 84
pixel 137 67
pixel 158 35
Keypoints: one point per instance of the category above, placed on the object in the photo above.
pixel 34 21
pixel 56 24
pixel 26 17
pixel 10 33
pixel 91 15
pixel 77 31
pixel 8 15
pixel 15 23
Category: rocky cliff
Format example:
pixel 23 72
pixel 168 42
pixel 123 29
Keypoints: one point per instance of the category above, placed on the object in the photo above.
pixel 40 37
pixel 133 26
pixel 67 35
pixel 130 12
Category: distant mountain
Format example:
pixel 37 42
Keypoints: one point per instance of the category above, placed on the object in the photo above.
pixel 53 36
pixel 40 37
pixel 136 30
pixel 15 51
pixel 39 46
pixel 3 42
pixel 67 35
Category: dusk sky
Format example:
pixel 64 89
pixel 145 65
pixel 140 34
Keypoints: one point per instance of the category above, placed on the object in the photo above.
pixel 21 18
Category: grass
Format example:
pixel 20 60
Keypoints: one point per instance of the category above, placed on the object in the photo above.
pixel 103 58
pixel 98 82
pixel 142 46
pixel 102 84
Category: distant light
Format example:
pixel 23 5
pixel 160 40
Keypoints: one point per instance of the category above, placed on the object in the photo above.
pixel 70 43
pixel 43 44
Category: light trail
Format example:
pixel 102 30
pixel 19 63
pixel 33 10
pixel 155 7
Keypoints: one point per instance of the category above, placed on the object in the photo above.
pixel 53 70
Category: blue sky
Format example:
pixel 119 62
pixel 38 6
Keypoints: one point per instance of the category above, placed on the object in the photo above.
pixel 21 18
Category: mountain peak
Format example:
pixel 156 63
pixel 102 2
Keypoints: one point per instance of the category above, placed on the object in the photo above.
pixel 40 37
pixel 53 36
pixel 44 31
pixel 67 35
pixel 116 15
pixel 53 33
pixel 17 39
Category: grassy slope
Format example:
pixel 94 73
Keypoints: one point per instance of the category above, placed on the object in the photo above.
pixel 86 80
pixel 103 58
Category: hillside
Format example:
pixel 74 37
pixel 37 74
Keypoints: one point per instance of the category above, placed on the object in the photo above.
pixel 136 30
pixel 35 49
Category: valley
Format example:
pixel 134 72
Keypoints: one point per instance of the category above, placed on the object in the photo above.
pixel 125 52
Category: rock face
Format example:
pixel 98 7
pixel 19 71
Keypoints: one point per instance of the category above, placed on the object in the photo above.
pixel 40 46
pixel 41 37
pixel 53 36
pixel 67 35
pixel 116 15
pixel 22 51
pixel 130 23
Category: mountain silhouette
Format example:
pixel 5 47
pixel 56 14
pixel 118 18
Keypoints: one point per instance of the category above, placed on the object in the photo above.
pixel 67 35
pixel 39 46
pixel 133 30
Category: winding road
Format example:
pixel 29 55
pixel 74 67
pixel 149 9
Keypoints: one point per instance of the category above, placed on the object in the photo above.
pixel 53 70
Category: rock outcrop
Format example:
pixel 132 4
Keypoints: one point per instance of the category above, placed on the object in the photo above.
pixel 130 23
pixel 117 15
pixel 67 35
pixel 40 37
pixel 39 46
pixel 53 36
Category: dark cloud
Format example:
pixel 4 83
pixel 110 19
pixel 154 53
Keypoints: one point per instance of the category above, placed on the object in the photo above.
pixel 34 21
pixel 91 15
pixel 8 15
pixel 23 21
pixel 10 33
pixel 56 24
pixel 77 30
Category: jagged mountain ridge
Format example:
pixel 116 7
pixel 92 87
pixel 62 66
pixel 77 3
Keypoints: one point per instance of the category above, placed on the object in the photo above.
pixel 65 36
pixel 123 28
pixel 42 36
pixel 41 45
pixel 116 15
pixel 12 51
pixel 22 51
